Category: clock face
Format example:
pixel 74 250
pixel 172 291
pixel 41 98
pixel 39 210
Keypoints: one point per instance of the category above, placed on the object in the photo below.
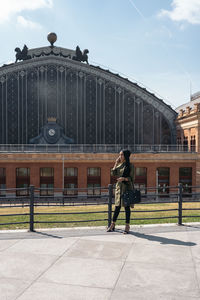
pixel 51 132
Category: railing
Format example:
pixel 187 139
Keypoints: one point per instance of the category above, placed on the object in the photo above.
pixel 91 148
pixel 34 200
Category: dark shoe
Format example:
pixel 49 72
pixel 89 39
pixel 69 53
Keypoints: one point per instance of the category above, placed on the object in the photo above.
pixel 111 228
pixel 127 228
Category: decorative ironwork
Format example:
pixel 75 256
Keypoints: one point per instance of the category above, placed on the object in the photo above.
pixel 92 105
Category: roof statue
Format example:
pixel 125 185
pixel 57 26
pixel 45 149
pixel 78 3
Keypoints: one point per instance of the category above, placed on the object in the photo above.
pixel 81 56
pixel 22 54
pixel 77 55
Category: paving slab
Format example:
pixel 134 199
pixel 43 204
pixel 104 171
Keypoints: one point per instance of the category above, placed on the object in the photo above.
pixel 139 293
pixel 42 246
pixel 161 255
pixel 168 278
pixel 24 266
pixel 152 262
pixel 5 244
pixel 83 271
pixel 53 291
pixel 85 248
pixel 11 288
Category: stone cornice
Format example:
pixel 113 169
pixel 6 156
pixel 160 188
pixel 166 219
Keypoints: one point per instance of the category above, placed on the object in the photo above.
pixel 96 158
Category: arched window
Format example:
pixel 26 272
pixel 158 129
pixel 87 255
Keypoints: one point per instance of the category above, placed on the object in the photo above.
pixel 192 143
pixel 185 143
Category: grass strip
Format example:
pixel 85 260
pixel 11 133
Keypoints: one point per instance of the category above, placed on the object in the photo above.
pixel 96 215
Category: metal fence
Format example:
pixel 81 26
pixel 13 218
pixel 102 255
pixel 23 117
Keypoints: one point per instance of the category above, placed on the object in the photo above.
pixel 91 148
pixel 34 197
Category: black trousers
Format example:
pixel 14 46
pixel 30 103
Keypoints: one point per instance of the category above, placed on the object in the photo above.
pixel 127 212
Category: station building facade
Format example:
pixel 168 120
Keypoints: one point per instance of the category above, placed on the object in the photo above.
pixel 64 121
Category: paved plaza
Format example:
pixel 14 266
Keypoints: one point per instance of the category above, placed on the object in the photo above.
pixel 152 262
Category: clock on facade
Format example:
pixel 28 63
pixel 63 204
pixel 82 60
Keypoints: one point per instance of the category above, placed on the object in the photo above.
pixel 51 132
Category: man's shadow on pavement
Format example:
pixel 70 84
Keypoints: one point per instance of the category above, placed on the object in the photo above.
pixel 162 240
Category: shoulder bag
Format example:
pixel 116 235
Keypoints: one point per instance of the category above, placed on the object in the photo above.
pixel 131 197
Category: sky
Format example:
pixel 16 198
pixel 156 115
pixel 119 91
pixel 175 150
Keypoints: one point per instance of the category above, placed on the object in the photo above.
pixel 152 42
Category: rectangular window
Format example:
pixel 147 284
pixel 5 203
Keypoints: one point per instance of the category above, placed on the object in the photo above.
pixel 94 189
pixel 140 179
pixel 46 172
pixel 2 181
pixel 22 181
pixel 163 180
pixel 94 181
pixel 46 181
pixel 70 181
pixel 70 172
pixel 94 172
pixel 185 177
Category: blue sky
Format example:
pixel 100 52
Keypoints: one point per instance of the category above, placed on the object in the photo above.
pixel 152 42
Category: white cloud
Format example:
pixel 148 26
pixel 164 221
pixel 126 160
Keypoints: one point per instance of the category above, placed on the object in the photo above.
pixel 9 8
pixel 27 23
pixel 183 10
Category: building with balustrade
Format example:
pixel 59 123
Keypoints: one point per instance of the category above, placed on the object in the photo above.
pixel 63 121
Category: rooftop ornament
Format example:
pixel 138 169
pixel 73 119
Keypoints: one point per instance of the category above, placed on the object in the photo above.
pixel 52 38
pixel 81 56
pixel 22 54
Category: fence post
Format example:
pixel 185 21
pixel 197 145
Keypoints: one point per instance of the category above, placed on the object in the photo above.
pixel 110 193
pixel 31 208
pixel 180 201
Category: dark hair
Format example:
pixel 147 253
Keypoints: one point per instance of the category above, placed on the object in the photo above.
pixel 127 154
